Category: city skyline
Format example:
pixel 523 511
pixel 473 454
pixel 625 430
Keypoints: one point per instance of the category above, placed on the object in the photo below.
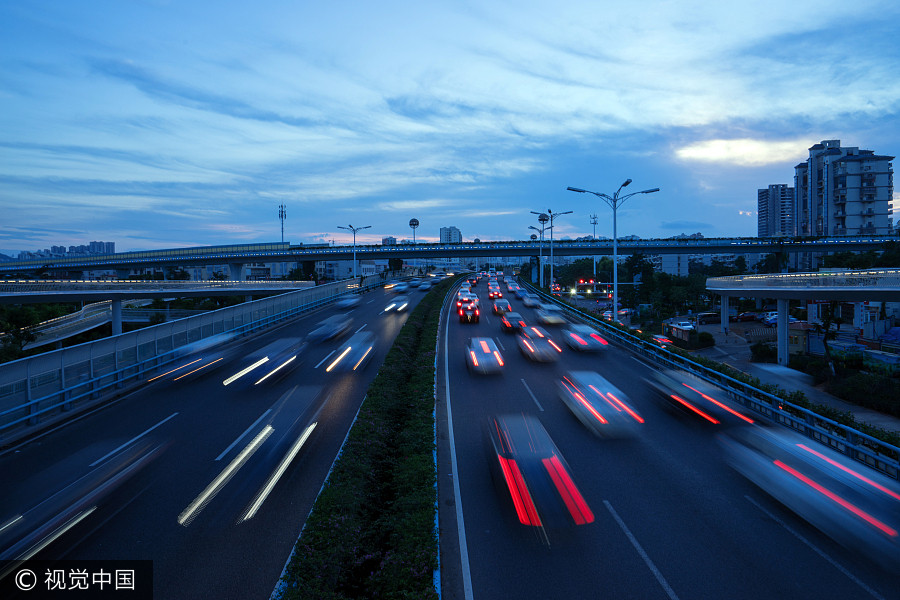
pixel 170 125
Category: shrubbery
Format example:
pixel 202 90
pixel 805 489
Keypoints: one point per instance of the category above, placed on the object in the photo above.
pixel 371 531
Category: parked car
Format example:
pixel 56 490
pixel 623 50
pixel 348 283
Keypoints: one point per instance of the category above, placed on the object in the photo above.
pixel 687 325
pixel 747 316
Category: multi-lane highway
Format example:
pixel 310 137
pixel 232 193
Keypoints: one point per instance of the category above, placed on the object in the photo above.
pixel 671 518
pixel 211 482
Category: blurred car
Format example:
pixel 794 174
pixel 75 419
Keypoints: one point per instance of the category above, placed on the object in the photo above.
pixel 520 293
pixel 501 306
pixel 483 356
pixel 661 340
pixel 398 304
pixel 687 325
pixel 469 313
pixel 527 465
pixel 583 338
pixel 549 314
pixel 425 286
pixel 270 363
pixel 397 287
pixel 330 328
pixel 530 300
pixel 348 302
pixel 354 354
pixel 855 505
pixel 696 396
pixel 773 321
pixel 463 297
pixel 747 316
pixel 536 344
pixel 599 405
pixel 494 293
pixel 512 322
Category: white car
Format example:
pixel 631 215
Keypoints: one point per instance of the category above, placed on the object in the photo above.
pixel 687 325
pixel 531 300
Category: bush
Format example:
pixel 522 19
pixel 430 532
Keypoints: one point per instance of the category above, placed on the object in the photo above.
pixel 706 340
pixel 811 365
pixel 872 391
pixel 763 352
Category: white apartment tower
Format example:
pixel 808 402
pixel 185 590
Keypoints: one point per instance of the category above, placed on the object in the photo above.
pixel 450 235
pixel 775 210
pixel 843 191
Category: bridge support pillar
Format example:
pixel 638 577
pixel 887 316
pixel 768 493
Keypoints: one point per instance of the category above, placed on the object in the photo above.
pixel 235 271
pixel 723 320
pixel 782 332
pixel 116 317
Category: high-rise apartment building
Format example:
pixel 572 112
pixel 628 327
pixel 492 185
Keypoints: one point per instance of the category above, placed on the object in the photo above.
pixel 843 191
pixel 775 210
pixel 450 235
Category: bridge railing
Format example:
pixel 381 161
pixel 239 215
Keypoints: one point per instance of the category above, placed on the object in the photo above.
pixel 41 390
pixel 871 451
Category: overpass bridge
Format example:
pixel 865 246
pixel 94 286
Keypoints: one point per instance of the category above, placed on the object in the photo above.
pixel 877 285
pixel 238 255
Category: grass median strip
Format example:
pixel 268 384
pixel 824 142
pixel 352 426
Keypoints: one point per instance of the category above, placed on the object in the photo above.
pixel 371 531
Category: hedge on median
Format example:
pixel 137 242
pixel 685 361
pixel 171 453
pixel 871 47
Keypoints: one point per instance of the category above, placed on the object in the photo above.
pixel 371 532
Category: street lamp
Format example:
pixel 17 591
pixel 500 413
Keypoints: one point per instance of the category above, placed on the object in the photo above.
pixel 550 218
pixel 614 201
pixel 594 222
pixel 542 219
pixel 354 230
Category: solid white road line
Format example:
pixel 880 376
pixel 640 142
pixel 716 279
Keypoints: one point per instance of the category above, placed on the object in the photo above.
pixel 460 524
pixel 656 573
pixel 135 438
pixel 324 359
pixel 815 549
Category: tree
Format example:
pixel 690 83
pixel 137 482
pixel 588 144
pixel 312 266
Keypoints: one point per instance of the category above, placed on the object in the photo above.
pixel 824 329
pixel 15 324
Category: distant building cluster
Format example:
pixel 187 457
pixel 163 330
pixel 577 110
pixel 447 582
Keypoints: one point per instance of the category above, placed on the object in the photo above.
pixel 72 251
pixel 837 191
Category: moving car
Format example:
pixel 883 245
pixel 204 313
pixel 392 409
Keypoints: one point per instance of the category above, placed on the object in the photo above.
pixel 661 340
pixel 501 306
pixel 348 302
pixel 469 313
pixel 549 314
pixel 535 343
pixel 270 363
pixel 696 396
pixel 332 327
pixel 512 322
pixel 529 470
pixel 857 506
pixel 482 356
pixel 583 338
pixel 354 354
pixel 530 300
pixel 494 292
pixel 599 405
pixel 398 304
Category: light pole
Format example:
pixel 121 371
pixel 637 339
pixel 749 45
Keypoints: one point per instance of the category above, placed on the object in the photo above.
pixel 542 219
pixel 354 230
pixel 551 217
pixel 594 222
pixel 413 223
pixel 614 201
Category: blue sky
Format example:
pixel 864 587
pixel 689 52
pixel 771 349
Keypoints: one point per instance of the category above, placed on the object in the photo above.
pixel 160 124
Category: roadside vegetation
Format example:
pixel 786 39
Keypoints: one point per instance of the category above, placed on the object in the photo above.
pixel 371 532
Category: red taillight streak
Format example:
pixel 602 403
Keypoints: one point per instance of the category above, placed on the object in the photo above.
pixel 590 407
pixel 694 408
pixel 628 409
pixel 719 404
pixel 578 339
pixel 846 469
pixel 484 347
pixel 573 499
pixel 522 324
pixel 538 333
pixel 602 395
pixel 832 496
pixel 474 359
pixel 525 508
pixel 499 358
pixel 599 339
pixel 527 345
pixel 558 349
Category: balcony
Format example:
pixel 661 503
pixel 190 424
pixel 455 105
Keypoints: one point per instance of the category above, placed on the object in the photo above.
pixel 839 230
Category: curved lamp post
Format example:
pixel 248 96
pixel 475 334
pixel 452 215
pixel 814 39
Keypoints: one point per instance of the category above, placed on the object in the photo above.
pixel 614 201
pixel 542 219
pixel 354 230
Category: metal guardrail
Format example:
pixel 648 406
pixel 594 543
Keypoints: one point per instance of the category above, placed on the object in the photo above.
pixel 42 390
pixel 859 446
pixel 878 278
